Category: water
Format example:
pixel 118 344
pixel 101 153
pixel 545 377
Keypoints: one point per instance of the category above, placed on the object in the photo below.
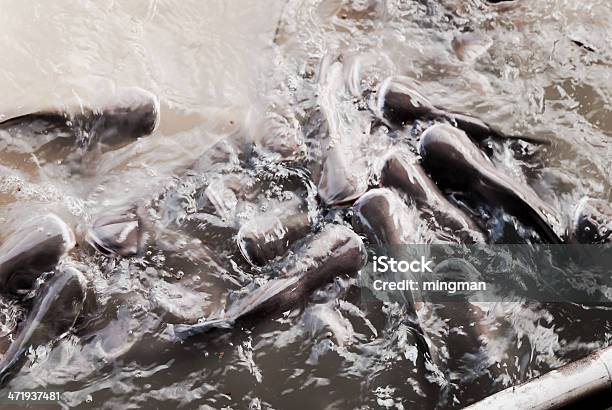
pixel 223 69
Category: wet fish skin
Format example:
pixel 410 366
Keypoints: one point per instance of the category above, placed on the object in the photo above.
pixel 264 239
pixel 41 122
pixel 592 223
pixel 400 104
pixel 404 105
pixel 136 113
pixel 55 310
pixel 384 218
pixel 133 113
pixel 477 128
pixel 34 248
pixel 334 251
pixel 402 171
pixel 453 160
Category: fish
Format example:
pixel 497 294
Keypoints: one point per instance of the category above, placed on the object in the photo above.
pixel 35 247
pixel 266 238
pixel 402 171
pixel 399 103
pixel 334 251
pixel 454 161
pixel 384 218
pixel 132 113
pixel 388 223
pixel 55 310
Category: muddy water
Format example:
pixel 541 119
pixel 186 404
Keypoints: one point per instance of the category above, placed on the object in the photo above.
pixel 218 68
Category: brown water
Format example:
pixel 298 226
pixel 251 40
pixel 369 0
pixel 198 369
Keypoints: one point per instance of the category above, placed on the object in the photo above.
pixel 220 68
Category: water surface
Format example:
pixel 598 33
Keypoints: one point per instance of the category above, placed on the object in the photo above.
pixel 219 67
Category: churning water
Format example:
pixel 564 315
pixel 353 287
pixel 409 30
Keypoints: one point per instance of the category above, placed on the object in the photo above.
pixel 245 70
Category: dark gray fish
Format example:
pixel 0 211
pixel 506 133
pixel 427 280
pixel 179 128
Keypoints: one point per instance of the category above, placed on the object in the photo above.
pixel 386 221
pixel 454 161
pixel 264 239
pixel 334 251
pixel 120 234
pixel 384 218
pixel 400 104
pixel 592 223
pixel 403 172
pixel 133 113
pixel 34 248
pixel 55 310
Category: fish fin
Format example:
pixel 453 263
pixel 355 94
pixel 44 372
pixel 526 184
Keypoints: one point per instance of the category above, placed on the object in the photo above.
pixel 48 119
pixel 479 130
pixel 185 331
pixel 254 301
pixel 52 126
